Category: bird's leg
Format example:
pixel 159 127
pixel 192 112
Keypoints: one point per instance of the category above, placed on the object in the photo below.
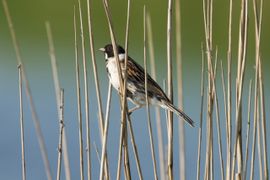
pixel 134 108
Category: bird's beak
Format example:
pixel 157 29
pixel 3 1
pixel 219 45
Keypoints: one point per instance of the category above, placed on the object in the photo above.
pixel 102 49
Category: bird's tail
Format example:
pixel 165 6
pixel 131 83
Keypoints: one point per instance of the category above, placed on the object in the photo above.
pixel 179 112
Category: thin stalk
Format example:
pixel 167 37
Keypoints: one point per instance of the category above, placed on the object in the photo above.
pixel 78 93
pixel 146 96
pixel 126 155
pixel 105 136
pixel 201 117
pixel 170 90
pixel 22 124
pixel 218 130
pixel 57 95
pixel 264 133
pixel 212 98
pixel 124 100
pixel 208 41
pixel 181 126
pixel 259 142
pixel 224 98
pixel 136 154
pixel 93 58
pixel 229 99
pixel 124 104
pixel 258 25
pixel 28 94
pixel 248 132
pixel 86 96
pixel 157 109
pixel 237 148
pixel 254 133
pixel 256 92
pixel 61 131
pixel 122 87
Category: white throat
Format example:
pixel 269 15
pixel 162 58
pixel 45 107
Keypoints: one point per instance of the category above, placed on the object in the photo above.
pixel 120 56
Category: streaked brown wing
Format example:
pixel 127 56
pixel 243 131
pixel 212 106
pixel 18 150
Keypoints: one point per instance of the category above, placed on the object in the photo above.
pixel 136 76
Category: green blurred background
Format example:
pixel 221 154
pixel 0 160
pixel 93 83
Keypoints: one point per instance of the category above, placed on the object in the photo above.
pixel 29 18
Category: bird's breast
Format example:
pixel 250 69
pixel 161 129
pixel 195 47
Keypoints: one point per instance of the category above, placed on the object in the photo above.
pixel 113 73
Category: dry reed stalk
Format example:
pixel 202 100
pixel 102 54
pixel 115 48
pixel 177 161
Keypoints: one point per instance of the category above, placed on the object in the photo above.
pixel 125 110
pixel 124 100
pixel 259 143
pixel 146 96
pixel 218 118
pixel 105 135
pixel 201 117
pixel 212 98
pixel 86 96
pixel 248 132
pixel 237 148
pixel 264 133
pixel 122 90
pixel 229 91
pixel 157 109
pixel 254 133
pixel 219 134
pixel 126 155
pixel 258 24
pixel 78 94
pixel 134 146
pixel 61 131
pixel 21 124
pixel 57 95
pixel 256 99
pixel 214 95
pixel 93 58
pixel 124 104
pixel 257 57
pixel 181 126
pixel 170 90
pixel 224 100
pixel 113 40
pixel 35 119
pixel 207 14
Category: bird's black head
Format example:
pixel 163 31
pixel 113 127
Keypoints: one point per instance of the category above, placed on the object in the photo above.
pixel 108 50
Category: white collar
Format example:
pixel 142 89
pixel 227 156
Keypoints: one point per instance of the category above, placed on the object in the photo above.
pixel 120 56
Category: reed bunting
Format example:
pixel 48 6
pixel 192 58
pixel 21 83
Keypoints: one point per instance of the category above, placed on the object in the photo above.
pixel 136 83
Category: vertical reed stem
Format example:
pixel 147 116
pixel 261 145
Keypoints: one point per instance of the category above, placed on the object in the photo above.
pixel 93 58
pixel 182 151
pixel 201 117
pixel 105 136
pixel 170 90
pixel 78 93
pixel 86 96
pixel 157 109
pixel 61 130
pixel 146 96
pixel 229 99
pixel 22 124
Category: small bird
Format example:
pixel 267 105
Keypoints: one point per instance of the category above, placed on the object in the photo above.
pixel 136 83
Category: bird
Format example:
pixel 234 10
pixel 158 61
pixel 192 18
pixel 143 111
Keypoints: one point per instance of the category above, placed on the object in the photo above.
pixel 135 89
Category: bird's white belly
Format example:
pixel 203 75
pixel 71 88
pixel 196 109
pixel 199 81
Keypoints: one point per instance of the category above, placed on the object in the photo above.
pixel 113 74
